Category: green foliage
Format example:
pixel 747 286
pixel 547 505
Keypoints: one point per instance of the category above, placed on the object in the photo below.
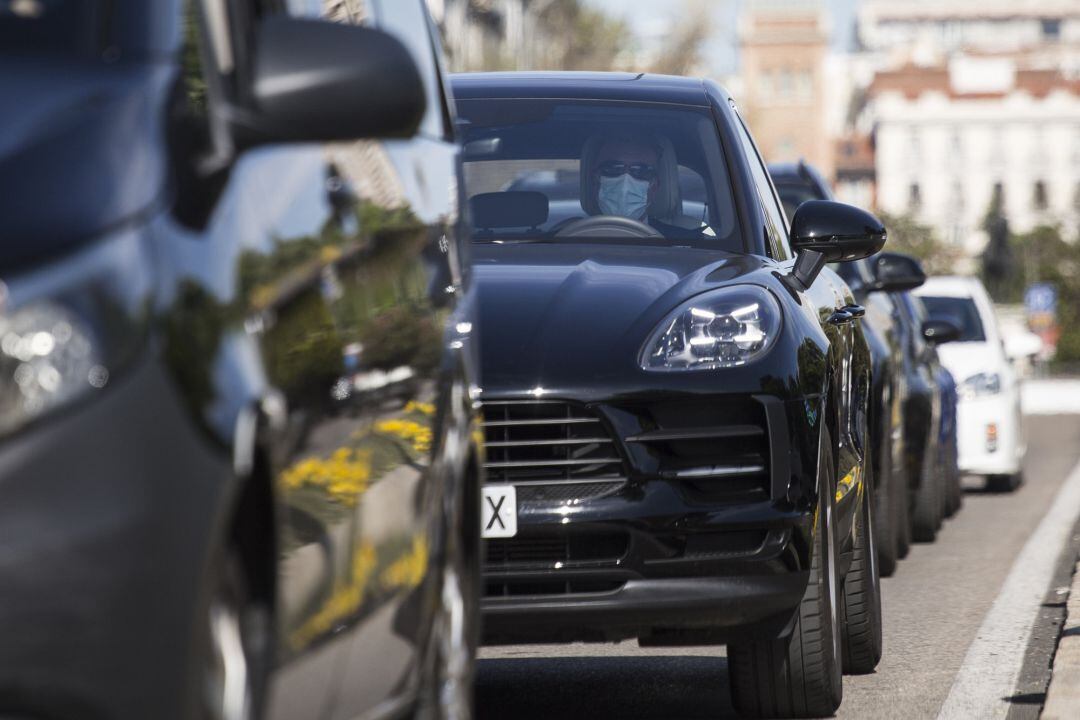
pixel 588 39
pixel 906 235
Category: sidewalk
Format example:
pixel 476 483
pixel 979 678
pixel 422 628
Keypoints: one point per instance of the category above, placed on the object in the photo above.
pixel 1063 695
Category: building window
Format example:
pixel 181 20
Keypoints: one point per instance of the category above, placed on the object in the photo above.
pixel 914 197
pixel 1038 196
pixel 956 144
pixel 1051 28
pixel 957 197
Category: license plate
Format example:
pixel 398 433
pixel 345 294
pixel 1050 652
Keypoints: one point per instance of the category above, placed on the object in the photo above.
pixel 499 515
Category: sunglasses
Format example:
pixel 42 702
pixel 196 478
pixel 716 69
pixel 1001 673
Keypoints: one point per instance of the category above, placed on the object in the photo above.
pixel 638 171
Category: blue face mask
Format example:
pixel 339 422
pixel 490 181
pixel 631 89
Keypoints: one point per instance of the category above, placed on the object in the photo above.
pixel 624 196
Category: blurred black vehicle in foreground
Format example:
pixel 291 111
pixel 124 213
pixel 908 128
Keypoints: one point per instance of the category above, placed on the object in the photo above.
pixel 203 266
pixel 913 417
pixel 675 404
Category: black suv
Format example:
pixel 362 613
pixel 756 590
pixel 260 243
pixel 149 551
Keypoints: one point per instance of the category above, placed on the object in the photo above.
pixel 239 465
pixel 675 388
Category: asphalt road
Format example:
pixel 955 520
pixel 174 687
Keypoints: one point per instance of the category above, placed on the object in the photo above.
pixel 933 609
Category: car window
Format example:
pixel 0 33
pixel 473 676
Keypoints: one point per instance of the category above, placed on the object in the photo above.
pixel 961 312
pixel 775 225
pixel 534 165
pixel 794 194
pixel 408 21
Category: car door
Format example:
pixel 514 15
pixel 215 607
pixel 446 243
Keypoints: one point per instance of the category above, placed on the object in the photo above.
pixel 343 275
pixel 824 304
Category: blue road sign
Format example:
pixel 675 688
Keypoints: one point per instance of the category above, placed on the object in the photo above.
pixel 1040 298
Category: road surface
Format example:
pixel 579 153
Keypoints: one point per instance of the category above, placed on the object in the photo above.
pixel 934 608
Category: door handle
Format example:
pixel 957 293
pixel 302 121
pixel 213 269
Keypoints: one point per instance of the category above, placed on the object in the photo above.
pixel 856 311
pixel 840 317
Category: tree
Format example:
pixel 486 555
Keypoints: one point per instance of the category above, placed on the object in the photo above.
pixel 681 52
pixel 906 235
pixel 581 38
pixel 998 270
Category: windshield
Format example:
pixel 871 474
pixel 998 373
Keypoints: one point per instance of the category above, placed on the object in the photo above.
pixel 587 171
pixel 86 28
pixel 959 311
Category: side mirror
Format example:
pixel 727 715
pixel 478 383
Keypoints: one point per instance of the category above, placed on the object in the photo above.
pixel 937 332
pixel 824 231
pixel 896 272
pixel 320 81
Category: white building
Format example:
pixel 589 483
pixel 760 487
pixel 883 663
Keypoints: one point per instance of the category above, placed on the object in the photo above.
pixel 947 136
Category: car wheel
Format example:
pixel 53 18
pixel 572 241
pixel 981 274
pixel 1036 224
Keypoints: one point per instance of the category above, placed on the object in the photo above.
pixel 902 508
pixel 956 492
pixel 861 607
pixel 885 515
pixel 927 513
pixel 232 626
pixel 1004 483
pixel 799 675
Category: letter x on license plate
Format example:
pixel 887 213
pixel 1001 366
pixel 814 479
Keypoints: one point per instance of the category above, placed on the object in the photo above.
pixel 499 512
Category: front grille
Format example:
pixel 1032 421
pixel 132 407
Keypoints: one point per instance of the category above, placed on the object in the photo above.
pixel 549 587
pixel 546 552
pixel 544 443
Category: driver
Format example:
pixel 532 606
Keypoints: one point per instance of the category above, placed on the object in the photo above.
pixel 635 176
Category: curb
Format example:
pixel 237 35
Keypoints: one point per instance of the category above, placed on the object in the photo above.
pixel 1063 695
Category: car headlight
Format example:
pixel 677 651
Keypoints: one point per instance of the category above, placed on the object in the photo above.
pixel 67 326
pixel 980 385
pixel 47 357
pixel 723 328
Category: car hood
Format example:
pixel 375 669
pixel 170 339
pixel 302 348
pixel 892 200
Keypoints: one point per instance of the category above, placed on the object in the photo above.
pixel 554 315
pixel 81 151
pixel 964 359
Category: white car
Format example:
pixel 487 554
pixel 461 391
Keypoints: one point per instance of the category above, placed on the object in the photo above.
pixel 990 429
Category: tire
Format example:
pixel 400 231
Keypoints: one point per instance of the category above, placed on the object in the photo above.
pixel 928 511
pixel 902 508
pixel 1004 483
pixel 955 491
pixel 234 628
pixel 886 517
pixel 799 675
pixel 861 609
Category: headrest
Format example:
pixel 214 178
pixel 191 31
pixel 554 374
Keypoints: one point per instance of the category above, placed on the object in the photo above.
pixel 509 209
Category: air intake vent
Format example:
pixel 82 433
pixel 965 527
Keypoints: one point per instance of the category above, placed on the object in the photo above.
pixel 539 443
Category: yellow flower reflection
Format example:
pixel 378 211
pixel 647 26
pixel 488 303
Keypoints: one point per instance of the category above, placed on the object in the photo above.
pixel 344 476
pixel 408 430
pixel 408 570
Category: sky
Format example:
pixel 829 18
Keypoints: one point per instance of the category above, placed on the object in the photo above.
pixel 652 17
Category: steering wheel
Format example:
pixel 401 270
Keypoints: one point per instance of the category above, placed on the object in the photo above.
pixel 607 226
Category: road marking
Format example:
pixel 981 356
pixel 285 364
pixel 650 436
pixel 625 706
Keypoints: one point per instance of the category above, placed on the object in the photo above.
pixel 992 665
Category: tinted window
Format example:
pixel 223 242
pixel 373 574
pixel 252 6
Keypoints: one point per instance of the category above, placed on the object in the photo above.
pixel 775 229
pixel 654 163
pixel 959 311
pixel 48 25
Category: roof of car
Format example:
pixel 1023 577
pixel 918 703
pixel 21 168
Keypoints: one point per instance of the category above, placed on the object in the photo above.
pixel 950 286
pixel 581 85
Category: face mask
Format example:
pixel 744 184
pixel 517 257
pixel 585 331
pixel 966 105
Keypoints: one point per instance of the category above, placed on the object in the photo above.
pixel 624 195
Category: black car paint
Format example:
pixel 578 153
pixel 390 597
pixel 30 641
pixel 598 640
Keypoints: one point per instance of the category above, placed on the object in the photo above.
pixel 226 329
pixel 567 321
pixel 887 337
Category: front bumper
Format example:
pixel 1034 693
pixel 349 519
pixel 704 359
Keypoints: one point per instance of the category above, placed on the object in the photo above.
pixel 663 551
pixel 106 511
pixel 989 435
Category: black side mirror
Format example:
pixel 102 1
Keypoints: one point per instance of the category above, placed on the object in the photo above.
pixel 321 81
pixel 937 332
pixel 896 272
pixel 824 231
